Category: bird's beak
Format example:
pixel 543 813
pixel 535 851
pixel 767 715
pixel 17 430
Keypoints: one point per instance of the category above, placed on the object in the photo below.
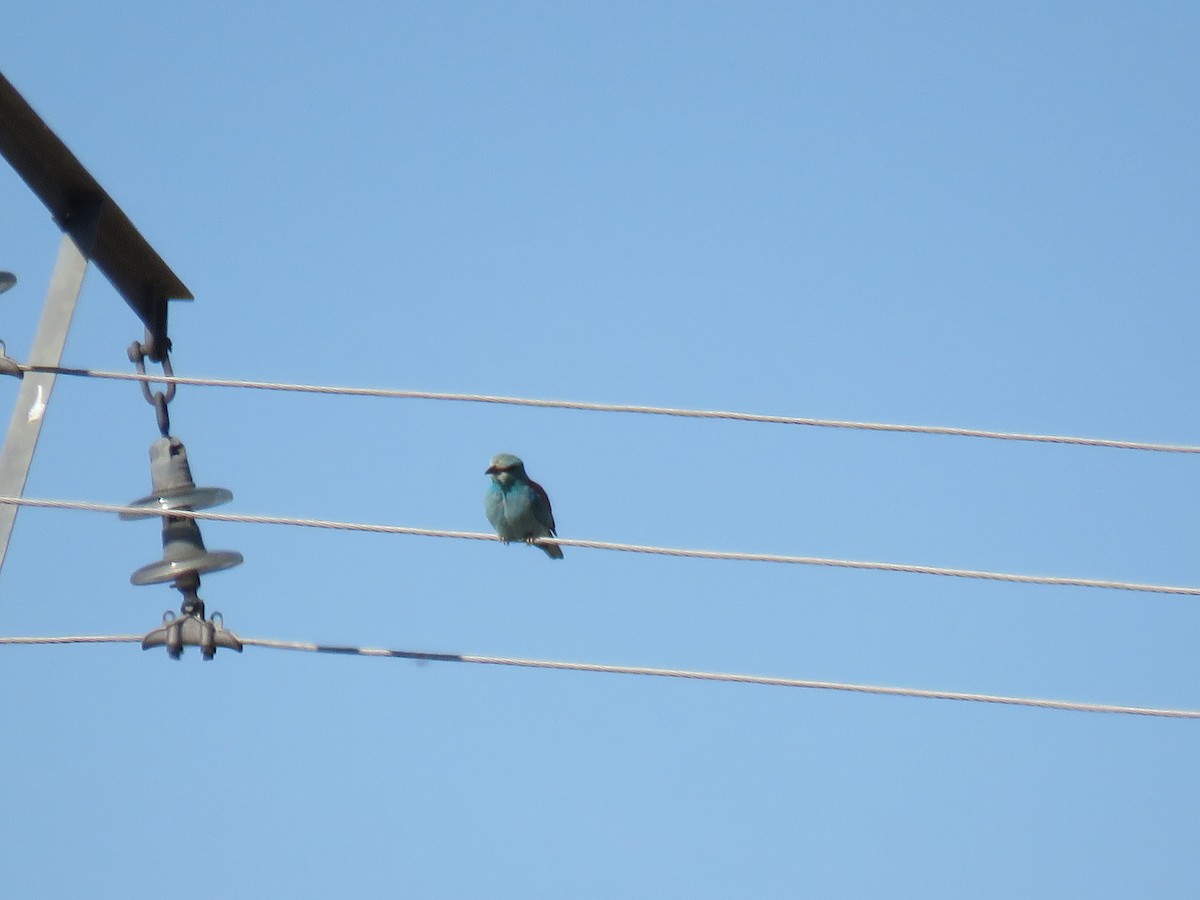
pixel 490 470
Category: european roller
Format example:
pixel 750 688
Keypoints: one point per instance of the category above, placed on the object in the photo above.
pixel 517 506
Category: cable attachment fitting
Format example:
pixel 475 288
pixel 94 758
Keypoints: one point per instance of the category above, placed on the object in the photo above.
pixel 138 353
pixel 8 365
pixel 190 628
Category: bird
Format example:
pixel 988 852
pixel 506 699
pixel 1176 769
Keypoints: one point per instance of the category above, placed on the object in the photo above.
pixel 517 506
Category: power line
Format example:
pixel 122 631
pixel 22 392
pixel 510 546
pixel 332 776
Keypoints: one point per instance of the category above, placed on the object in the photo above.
pixel 76 639
pixel 625 548
pixel 763 680
pixel 616 408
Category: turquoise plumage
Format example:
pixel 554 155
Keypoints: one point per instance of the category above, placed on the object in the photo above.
pixel 517 506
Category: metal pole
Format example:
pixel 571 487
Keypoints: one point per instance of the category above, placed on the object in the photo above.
pixel 34 395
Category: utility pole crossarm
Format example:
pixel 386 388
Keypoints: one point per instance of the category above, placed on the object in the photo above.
pixel 70 192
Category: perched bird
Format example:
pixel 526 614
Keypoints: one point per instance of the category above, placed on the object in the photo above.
pixel 517 506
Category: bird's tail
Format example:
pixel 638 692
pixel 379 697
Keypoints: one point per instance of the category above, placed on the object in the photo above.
pixel 552 550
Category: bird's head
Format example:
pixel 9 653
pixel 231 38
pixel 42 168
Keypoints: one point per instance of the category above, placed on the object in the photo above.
pixel 505 467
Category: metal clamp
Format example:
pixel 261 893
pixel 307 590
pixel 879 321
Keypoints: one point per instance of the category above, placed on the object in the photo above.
pixel 8 365
pixel 191 629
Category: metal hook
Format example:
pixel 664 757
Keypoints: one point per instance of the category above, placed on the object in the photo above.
pixel 169 371
pixel 137 355
pixel 161 415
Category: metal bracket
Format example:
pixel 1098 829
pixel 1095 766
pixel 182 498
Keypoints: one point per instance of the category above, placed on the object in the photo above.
pixel 8 365
pixel 191 631
pixel 190 628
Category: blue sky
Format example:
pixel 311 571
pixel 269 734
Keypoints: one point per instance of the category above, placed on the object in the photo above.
pixel 934 213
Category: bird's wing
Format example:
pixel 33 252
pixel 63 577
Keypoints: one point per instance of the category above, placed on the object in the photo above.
pixel 493 505
pixel 541 508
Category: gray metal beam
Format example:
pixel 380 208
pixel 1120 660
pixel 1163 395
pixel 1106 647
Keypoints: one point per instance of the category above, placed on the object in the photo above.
pixel 60 181
pixel 34 394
